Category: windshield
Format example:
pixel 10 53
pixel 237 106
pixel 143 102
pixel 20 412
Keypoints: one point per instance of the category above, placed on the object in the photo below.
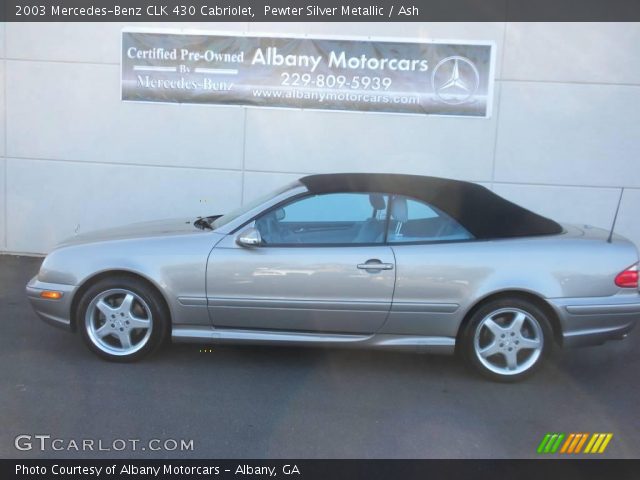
pixel 224 219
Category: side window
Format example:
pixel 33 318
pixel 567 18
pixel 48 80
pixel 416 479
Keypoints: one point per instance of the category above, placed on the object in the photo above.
pixel 415 221
pixel 335 218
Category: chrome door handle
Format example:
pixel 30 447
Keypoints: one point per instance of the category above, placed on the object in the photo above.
pixel 375 266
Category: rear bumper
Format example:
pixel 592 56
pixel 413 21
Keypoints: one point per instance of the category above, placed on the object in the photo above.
pixel 595 320
pixel 54 312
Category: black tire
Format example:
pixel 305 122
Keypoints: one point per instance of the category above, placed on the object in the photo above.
pixel 505 310
pixel 146 306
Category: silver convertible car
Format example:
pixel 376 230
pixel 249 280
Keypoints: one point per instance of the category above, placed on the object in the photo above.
pixel 357 260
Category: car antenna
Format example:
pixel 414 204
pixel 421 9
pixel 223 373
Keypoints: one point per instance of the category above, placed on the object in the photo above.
pixel 615 217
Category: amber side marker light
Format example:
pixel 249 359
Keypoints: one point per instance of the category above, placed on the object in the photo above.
pixel 51 295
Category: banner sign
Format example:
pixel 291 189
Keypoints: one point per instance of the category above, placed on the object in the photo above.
pixel 433 78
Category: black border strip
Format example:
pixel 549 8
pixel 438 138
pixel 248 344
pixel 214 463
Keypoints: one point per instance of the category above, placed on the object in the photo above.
pixel 370 11
pixel 582 469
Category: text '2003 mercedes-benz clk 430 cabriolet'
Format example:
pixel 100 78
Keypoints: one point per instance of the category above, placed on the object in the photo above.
pixel 355 260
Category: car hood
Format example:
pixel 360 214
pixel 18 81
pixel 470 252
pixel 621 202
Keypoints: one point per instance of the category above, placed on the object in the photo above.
pixel 156 228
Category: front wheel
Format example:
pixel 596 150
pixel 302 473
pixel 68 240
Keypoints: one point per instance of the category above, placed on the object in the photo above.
pixel 507 340
pixel 122 319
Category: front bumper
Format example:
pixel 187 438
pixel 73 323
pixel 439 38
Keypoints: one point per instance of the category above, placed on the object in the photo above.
pixel 595 320
pixel 54 312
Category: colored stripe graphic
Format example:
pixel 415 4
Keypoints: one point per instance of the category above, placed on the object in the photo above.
pixel 543 443
pixel 581 442
pixel 605 443
pixel 556 445
pixel 550 443
pixel 567 442
pixel 598 442
pixel 578 437
pixel 573 443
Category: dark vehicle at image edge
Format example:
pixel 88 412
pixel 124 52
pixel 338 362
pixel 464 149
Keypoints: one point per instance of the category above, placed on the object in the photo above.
pixel 355 260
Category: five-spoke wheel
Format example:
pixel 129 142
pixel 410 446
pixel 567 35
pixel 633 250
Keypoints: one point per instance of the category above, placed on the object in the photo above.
pixel 507 339
pixel 119 322
pixel 121 318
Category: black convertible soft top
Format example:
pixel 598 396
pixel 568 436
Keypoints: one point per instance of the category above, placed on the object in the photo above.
pixel 483 213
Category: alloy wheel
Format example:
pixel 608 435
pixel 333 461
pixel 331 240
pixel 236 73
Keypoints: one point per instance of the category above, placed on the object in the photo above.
pixel 119 322
pixel 508 341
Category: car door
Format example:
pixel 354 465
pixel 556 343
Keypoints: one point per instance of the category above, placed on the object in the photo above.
pixel 321 266
pixel 437 267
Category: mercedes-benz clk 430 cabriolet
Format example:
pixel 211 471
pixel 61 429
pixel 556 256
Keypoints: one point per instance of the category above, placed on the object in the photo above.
pixel 355 260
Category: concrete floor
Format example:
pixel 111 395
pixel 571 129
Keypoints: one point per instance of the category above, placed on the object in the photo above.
pixel 294 403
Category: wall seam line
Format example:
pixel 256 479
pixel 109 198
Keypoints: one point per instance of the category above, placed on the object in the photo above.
pixel 498 105
pixel 565 185
pixel 5 245
pixel 123 164
pixel 244 141
pixel 64 62
pixel 301 173
pixel 244 155
pixel 572 82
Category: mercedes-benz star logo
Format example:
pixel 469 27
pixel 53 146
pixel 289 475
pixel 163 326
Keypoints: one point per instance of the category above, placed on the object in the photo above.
pixel 455 80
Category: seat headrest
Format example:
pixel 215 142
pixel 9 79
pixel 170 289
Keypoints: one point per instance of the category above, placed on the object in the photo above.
pixel 399 209
pixel 377 201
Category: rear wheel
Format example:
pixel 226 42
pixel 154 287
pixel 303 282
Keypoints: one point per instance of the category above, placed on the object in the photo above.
pixel 507 339
pixel 122 319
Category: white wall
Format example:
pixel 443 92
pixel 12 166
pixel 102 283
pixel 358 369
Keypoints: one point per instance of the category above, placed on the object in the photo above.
pixel 563 141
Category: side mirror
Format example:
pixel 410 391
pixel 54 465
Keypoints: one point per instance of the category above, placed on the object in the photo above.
pixel 249 238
